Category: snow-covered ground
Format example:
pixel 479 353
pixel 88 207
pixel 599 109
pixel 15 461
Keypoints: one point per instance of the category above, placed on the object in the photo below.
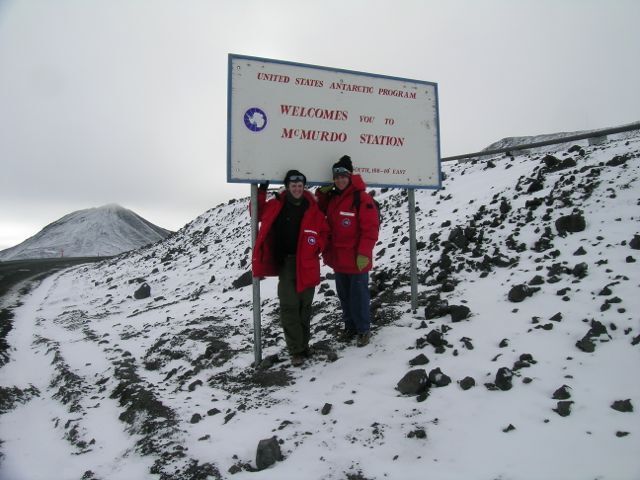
pixel 101 385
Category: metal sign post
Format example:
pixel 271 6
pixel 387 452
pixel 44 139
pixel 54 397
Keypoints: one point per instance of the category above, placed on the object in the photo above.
pixel 257 327
pixel 413 257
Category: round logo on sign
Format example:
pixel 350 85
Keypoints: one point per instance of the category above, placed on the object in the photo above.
pixel 255 119
pixel 311 240
pixel 346 222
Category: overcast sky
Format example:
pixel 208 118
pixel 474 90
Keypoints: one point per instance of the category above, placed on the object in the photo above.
pixel 125 102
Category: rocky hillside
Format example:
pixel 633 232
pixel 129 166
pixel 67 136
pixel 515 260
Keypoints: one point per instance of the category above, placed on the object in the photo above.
pixel 95 232
pixel 520 362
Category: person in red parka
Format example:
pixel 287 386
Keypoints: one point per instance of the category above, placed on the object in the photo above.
pixel 354 225
pixel 292 234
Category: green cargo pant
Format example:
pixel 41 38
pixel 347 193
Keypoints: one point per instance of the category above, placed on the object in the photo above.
pixel 295 309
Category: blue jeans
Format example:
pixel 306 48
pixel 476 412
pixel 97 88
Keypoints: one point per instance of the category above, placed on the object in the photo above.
pixel 353 292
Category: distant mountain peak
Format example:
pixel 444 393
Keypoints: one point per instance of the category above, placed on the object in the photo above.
pixel 99 231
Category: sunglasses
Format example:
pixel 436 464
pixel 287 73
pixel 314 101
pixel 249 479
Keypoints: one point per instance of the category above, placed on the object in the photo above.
pixel 340 171
pixel 296 178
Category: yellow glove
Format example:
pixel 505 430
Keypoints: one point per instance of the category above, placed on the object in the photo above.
pixel 325 189
pixel 362 262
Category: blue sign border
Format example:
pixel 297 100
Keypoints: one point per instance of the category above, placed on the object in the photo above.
pixel 233 57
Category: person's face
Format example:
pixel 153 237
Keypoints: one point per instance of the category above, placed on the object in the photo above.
pixel 296 189
pixel 341 181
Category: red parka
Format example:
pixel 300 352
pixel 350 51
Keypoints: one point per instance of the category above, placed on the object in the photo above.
pixel 312 240
pixel 352 232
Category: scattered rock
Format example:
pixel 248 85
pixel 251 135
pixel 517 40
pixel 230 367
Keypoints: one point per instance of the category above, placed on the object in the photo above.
pixel 562 393
pixel 557 317
pixel 509 428
pixel 504 378
pixel 586 345
pixel 459 312
pixel 622 405
pixel 143 292
pixel 436 308
pixel 243 280
pixel 580 270
pixel 439 379
pixel 563 408
pixel 194 385
pixel 519 292
pixel 414 382
pixel 419 360
pixel 326 409
pixel 571 224
pixel 268 453
pixel 418 433
pixel 466 383
pixel 635 242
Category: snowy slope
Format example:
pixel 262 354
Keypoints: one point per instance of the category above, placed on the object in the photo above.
pixel 100 385
pixel 103 231
pixel 510 142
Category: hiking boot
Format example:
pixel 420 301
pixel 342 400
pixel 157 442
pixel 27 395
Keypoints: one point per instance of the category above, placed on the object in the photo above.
pixel 297 360
pixel 346 336
pixel 307 352
pixel 363 339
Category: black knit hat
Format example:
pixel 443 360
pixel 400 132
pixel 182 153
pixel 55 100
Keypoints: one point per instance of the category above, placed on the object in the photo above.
pixel 294 176
pixel 343 166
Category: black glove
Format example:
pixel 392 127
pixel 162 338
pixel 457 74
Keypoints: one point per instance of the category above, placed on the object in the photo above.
pixel 263 186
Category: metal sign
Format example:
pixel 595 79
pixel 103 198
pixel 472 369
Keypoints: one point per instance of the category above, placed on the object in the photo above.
pixel 284 115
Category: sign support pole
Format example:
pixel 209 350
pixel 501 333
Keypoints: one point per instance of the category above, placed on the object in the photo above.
pixel 413 257
pixel 257 328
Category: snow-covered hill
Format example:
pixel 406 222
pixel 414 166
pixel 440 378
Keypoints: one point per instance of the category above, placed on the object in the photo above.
pixel 523 354
pixel 94 232
pixel 510 142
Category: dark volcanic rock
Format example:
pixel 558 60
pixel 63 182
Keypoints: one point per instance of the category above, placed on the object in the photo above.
pixel 557 317
pixel 571 224
pixel 586 345
pixel 439 379
pixel 535 186
pixel 419 360
pixel 326 409
pixel 243 280
pixel 562 393
pixel 504 378
pixel 520 292
pixel 580 270
pixel 436 339
pixel 563 408
pixel 143 292
pixel 419 433
pixel 635 242
pixel 622 405
pixel 459 312
pixel 467 382
pixel 268 453
pixel 436 308
pixel 580 251
pixel 414 382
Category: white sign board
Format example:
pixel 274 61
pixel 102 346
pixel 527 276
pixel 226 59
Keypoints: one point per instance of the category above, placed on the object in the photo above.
pixel 284 116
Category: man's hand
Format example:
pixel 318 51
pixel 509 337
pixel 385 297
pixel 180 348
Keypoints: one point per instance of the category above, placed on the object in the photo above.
pixel 362 262
pixel 263 186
